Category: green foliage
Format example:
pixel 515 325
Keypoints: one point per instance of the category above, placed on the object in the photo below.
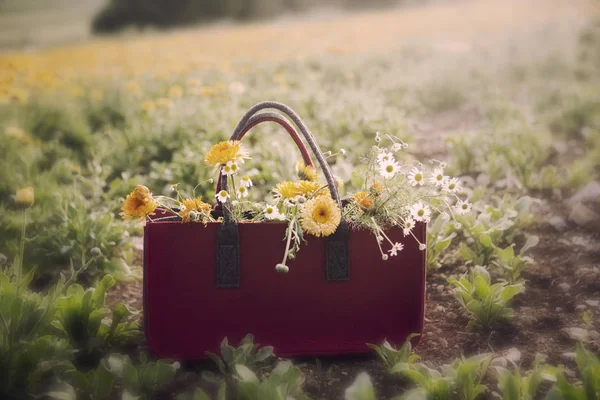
pixel 589 371
pixel 490 226
pixel 517 385
pixel 460 380
pixel 437 242
pixel 511 265
pixel 141 380
pixel 361 388
pixel 284 382
pixel 81 318
pixel 247 354
pixel 391 356
pixel 485 302
pixel 97 384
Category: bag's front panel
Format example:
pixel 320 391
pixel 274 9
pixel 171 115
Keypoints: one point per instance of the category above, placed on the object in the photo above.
pixel 298 313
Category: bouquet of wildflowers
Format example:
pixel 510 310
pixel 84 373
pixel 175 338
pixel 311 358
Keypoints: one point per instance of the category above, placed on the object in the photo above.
pixel 393 194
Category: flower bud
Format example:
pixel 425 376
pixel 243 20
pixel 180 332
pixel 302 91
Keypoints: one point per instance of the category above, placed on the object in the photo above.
pixel 25 197
pixel 422 246
pixel 96 252
pixel 282 268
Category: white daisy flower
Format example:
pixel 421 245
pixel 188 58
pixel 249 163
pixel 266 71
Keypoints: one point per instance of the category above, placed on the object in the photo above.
pixel 409 224
pixel 462 207
pixel 437 177
pixel 385 157
pixel 416 177
pixel 222 196
pixel 233 166
pixel 227 170
pixel 452 185
pixel 388 169
pixel 242 191
pixel 396 247
pixel 246 181
pixel 271 212
pixel 420 212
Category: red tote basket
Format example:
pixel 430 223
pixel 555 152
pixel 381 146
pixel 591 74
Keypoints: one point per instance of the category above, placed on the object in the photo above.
pixel 204 283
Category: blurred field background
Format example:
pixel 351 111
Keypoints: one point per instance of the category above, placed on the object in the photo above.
pixel 506 91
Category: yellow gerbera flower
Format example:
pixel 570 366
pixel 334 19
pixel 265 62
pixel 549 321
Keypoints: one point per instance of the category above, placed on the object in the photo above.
pixel 306 172
pixel 289 190
pixel 363 200
pixel 321 216
pixel 194 205
pixel 138 204
pixel 224 152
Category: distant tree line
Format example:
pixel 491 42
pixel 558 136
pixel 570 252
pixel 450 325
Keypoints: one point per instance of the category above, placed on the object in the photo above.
pixel 118 14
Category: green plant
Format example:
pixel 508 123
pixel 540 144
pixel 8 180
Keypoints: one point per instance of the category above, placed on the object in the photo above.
pixel 391 356
pixel 517 385
pixel 141 380
pixel 512 265
pixel 490 226
pixel 247 353
pixel 589 372
pixel 80 317
pixel 361 388
pixel 97 384
pixel 485 302
pixel 284 382
pixel 460 380
pixel 437 242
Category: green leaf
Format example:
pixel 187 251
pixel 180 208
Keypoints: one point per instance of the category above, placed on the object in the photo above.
pixel 532 241
pixel 511 291
pixel 481 287
pixel 245 374
pixel 361 389
pixel 485 240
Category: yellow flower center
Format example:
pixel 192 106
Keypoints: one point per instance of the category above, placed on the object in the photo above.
pixel 223 193
pixel 418 177
pixel 421 213
pixel 389 168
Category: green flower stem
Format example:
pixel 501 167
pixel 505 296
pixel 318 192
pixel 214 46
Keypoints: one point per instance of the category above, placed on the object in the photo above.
pixel 19 264
pixel 289 239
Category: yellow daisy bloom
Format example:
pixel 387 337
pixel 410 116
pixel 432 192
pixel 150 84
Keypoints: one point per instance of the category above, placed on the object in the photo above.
pixel 321 216
pixel 224 152
pixel 138 204
pixel 306 172
pixel 363 200
pixel 194 205
pixel 287 189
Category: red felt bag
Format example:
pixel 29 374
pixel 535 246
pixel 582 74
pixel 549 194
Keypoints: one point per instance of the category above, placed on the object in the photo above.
pixel 204 283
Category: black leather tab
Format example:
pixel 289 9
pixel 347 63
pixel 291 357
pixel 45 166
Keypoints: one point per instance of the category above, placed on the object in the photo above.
pixel 228 256
pixel 337 254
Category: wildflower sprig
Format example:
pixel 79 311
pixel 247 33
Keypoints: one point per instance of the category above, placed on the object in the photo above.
pixel 396 193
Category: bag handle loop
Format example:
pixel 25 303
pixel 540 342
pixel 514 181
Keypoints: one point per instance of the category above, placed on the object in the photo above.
pixel 228 249
pixel 272 117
